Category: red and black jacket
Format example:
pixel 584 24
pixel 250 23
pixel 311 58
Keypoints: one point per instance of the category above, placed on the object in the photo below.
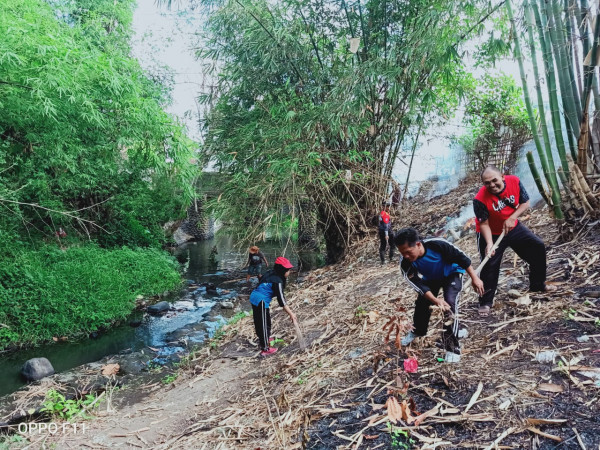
pixel 496 208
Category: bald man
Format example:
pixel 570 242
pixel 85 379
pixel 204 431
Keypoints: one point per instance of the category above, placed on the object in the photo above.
pixel 498 205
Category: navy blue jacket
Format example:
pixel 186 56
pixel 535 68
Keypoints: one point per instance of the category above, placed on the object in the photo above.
pixel 441 259
pixel 270 285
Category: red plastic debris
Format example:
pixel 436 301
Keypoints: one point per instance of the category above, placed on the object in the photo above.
pixel 411 365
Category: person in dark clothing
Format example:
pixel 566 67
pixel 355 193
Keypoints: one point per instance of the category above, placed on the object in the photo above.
pixel 254 262
pixel 497 206
pixel 385 226
pixel 430 265
pixel 270 285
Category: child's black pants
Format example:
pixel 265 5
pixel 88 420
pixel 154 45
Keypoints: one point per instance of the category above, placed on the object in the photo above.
pixel 262 324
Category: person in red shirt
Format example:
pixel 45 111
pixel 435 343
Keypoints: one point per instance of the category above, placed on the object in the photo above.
pixel 497 206
pixel 384 229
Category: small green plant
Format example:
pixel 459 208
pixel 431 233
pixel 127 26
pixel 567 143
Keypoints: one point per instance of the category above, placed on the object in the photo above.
pixel 6 441
pixel 186 361
pixel 217 337
pixel 57 406
pixel 597 322
pixel 305 374
pixel 154 366
pixel 170 378
pixel 360 312
pixel 400 438
pixel 278 342
pixel 239 316
pixel 570 313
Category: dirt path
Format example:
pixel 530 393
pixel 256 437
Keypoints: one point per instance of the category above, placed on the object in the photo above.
pixel 157 413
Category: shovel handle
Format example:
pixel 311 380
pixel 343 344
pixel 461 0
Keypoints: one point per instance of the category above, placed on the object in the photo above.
pixel 487 257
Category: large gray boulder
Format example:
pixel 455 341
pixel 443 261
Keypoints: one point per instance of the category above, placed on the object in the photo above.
pixel 159 308
pixel 181 237
pixel 36 369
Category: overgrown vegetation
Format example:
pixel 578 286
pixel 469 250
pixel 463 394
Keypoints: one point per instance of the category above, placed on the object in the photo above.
pixel 50 293
pixel 571 81
pixel 89 162
pixel 495 114
pixel 315 100
pixel 82 130
pixel 57 406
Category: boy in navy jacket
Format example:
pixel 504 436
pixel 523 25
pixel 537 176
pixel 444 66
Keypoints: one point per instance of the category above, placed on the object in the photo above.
pixel 430 265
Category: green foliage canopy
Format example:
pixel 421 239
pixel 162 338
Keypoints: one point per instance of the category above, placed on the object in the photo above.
pixel 494 112
pixel 82 127
pixel 297 115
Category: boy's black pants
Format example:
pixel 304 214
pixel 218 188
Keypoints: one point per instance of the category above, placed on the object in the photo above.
pixel 452 287
pixel 383 243
pixel 262 324
pixel 530 249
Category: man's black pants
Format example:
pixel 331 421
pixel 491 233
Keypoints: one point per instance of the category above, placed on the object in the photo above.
pixel 530 249
pixel 452 287
pixel 383 243
pixel 262 324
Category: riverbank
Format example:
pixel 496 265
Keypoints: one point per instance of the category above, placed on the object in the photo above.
pixel 59 294
pixel 527 378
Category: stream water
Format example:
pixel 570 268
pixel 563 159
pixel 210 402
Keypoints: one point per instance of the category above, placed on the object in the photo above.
pixel 196 310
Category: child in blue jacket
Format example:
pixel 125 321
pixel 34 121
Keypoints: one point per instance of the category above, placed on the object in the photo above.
pixel 270 285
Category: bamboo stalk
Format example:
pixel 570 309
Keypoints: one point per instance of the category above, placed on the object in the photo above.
pixel 536 177
pixel 567 38
pixel 549 178
pixel 585 26
pixel 585 187
pixel 540 100
pixel 578 189
pixel 584 141
pixel 573 41
pixel 412 156
pixel 560 57
pixel 551 85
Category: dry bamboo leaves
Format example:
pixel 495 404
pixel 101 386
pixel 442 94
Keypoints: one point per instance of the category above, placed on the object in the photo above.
pixel 551 387
pixel 110 369
pixel 400 412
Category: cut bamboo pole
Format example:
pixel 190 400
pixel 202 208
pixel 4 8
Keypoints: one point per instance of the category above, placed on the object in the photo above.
pixel 488 256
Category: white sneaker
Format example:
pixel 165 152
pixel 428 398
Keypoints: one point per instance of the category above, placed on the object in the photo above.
pixel 452 357
pixel 408 338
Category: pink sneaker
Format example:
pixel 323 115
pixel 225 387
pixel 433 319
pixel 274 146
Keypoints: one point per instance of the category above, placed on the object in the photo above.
pixel 268 352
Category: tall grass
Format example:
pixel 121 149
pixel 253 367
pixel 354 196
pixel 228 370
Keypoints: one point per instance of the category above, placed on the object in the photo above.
pixel 51 292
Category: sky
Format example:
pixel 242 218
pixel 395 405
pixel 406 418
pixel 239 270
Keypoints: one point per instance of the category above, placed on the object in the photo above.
pixel 166 38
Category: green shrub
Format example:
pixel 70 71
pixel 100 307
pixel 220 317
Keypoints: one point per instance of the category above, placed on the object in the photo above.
pixel 53 292
pixel 57 406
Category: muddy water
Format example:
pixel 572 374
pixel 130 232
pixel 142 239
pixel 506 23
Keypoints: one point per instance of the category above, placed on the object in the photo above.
pixel 196 314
